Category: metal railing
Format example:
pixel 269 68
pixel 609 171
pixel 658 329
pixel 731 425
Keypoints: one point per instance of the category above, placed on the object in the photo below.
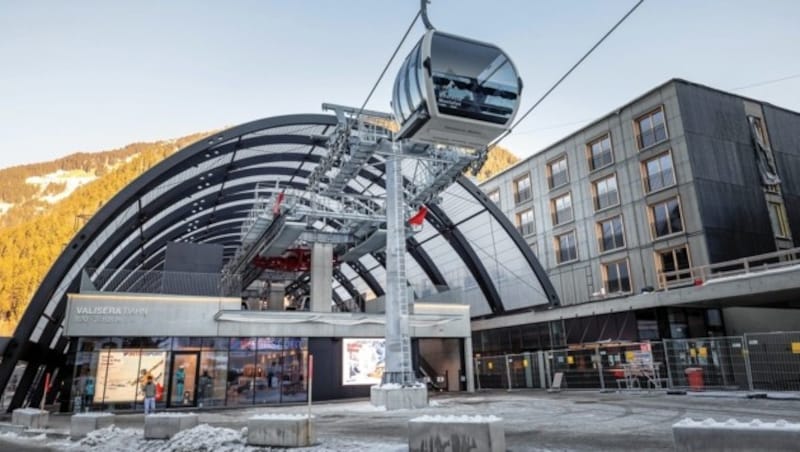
pixel 161 282
pixel 744 266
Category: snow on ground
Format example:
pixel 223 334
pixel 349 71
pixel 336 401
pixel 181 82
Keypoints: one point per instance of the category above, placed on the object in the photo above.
pixel 72 179
pixel 4 206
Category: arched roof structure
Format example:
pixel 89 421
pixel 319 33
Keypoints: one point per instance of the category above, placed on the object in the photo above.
pixel 204 192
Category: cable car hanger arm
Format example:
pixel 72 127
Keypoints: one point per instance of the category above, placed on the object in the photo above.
pixel 423 9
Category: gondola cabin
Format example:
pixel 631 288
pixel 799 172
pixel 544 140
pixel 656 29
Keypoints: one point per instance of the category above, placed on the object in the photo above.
pixel 455 91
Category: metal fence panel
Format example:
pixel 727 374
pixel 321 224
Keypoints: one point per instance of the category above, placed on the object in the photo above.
pixel 716 362
pixel 774 360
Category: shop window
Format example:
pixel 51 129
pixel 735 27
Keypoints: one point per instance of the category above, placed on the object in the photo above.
pixel 651 128
pixel 604 192
pixel 561 209
pixel 658 173
pixel 557 174
pixel 665 218
pixel 566 247
pixel 599 153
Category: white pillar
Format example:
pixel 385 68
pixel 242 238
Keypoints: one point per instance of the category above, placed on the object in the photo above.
pixel 275 296
pixel 321 276
pixel 469 371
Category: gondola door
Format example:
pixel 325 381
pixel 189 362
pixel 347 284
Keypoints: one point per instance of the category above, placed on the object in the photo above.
pixel 183 379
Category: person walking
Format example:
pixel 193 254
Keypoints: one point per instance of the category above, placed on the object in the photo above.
pixel 149 396
pixel 180 380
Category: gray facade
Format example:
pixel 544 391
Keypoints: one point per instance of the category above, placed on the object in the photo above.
pixel 717 179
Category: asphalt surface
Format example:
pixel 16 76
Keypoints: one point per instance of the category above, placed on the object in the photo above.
pixel 533 420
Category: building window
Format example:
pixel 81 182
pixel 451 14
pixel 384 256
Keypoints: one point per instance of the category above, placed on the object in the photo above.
pixel 522 189
pixel 557 173
pixel 610 234
pixel 494 196
pixel 561 209
pixel 777 215
pixel 525 222
pixel 651 129
pixel 671 262
pixel 658 173
pixel 665 218
pixel 605 192
pixel 566 248
pixel 617 277
pixel 599 153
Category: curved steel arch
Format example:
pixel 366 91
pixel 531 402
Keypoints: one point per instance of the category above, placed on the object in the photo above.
pixel 171 182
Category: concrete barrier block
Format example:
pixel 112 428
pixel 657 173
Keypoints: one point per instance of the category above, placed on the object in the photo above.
pixel 396 397
pixel 456 433
pixel 6 427
pixel 30 417
pixel 281 430
pixel 732 435
pixel 165 425
pixel 83 423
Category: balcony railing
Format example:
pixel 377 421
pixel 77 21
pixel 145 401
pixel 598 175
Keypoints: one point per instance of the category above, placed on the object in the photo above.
pixel 744 266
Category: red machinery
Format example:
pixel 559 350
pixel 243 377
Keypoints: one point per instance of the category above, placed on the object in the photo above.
pixel 292 260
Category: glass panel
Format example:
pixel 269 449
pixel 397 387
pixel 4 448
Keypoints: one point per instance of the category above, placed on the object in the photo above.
pixel 183 383
pixel 402 91
pixel 269 370
pixel 241 375
pixel 213 372
pixel 473 80
pixel 412 80
pixel 294 361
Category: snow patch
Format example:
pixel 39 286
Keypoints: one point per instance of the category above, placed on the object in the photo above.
pixel 280 416
pixel 168 414
pixel 739 425
pixel 94 414
pixel 30 411
pixel 72 180
pixel 4 207
pixel 455 419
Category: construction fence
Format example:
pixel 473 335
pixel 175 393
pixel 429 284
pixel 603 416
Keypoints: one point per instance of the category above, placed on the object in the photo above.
pixel 751 362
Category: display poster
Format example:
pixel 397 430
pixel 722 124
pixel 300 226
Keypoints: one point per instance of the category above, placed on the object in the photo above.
pixel 121 373
pixel 363 361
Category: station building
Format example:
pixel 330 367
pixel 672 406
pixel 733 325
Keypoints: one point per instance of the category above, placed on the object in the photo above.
pixel 652 221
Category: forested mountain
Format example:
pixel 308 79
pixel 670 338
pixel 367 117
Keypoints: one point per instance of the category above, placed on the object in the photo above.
pixel 43 205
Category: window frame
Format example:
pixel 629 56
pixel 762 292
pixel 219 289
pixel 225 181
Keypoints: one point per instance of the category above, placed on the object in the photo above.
pixel 780 219
pixel 660 266
pixel 590 155
pixel 521 226
pixel 638 130
pixel 557 246
pixel 651 219
pixel 646 186
pixel 598 226
pixel 595 193
pixel 549 171
pixel 515 183
pixel 554 209
pixel 604 273
pixel 495 192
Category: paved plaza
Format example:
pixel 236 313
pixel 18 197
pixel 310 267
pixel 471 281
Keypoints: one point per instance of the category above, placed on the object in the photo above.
pixel 534 421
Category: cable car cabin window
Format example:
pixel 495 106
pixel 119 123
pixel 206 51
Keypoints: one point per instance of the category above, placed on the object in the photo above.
pixel 473 80
pixel 402 91
pixel 412 80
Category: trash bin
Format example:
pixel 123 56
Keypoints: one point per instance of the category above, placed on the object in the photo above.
pixel 695 377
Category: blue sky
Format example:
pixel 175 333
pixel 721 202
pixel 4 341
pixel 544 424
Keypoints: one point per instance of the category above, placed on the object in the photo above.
pixel 94 75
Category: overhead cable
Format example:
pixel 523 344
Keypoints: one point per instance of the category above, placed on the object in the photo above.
pixel 574 66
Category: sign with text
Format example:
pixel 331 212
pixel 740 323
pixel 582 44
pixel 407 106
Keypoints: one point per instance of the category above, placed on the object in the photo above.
pixel 363 361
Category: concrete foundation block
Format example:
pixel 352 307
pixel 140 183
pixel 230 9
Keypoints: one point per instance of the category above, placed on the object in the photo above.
pixel 30 417
pixel 399 398
pixel 281 430
pixel 732 436
pixel 456 433
pixel 6 427
pixel 83 423
pixel 165 425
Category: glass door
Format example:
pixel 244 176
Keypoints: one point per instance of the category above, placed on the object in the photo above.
pixel 183 379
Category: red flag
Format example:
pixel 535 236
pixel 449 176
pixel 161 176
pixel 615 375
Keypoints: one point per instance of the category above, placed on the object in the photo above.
pixel 418 217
